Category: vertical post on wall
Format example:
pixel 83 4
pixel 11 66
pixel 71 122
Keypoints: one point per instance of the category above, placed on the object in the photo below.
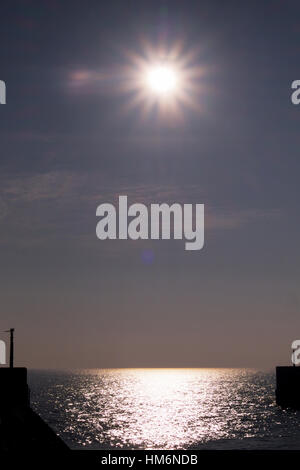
pixel 11 351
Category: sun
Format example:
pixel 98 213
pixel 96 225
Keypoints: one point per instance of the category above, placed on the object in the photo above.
pixel 162 79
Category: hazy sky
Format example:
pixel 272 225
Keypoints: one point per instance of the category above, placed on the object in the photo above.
pixel 70 140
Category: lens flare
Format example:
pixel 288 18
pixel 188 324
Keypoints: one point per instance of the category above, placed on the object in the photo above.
pixel 164 80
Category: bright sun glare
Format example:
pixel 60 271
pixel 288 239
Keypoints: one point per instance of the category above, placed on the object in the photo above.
pixel 162 79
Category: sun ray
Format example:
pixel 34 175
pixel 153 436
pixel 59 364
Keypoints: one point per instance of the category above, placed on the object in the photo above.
pixel 167 79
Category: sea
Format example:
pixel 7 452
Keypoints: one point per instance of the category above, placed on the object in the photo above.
pixel 164 409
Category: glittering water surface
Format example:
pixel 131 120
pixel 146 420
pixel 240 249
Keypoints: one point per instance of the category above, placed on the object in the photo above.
pixel 164 408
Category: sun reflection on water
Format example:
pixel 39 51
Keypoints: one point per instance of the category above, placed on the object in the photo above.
pixel 160 408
